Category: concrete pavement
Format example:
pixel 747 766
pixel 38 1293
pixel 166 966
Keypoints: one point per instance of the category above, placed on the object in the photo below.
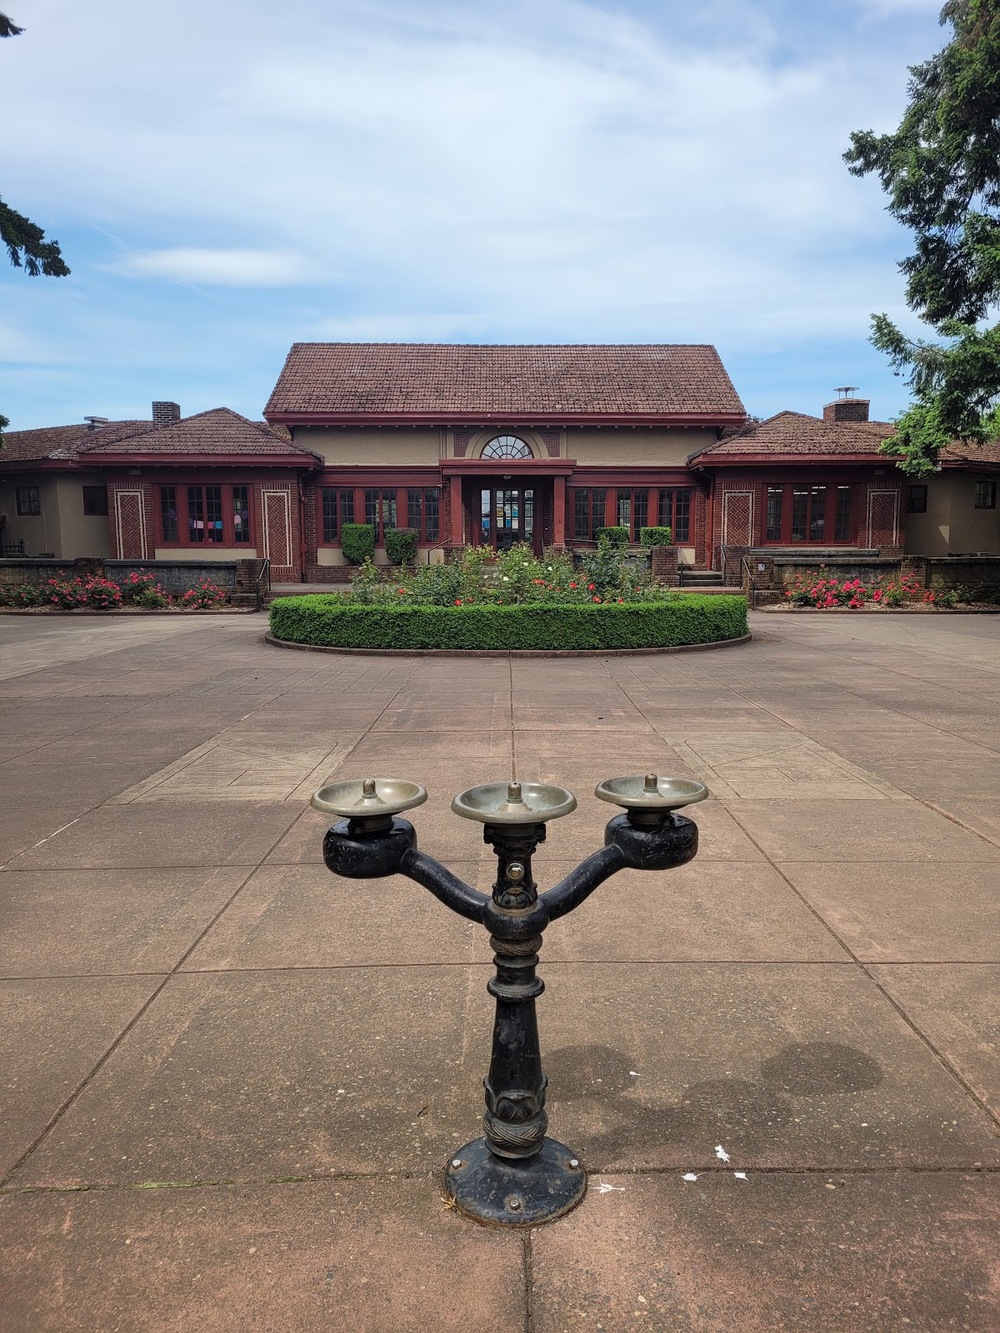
pixel 230 1081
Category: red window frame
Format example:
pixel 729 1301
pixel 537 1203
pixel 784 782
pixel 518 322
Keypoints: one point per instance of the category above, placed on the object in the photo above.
pixel 187 507
pixel 806 513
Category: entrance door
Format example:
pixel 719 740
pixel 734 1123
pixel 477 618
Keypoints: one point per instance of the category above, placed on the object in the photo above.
pixel 507 515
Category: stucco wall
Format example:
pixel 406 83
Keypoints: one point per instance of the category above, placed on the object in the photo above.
pixel 40 532
pixel 952 524
pixel 80 533
pixel 635 447
pixel 206 556
pixel 373 446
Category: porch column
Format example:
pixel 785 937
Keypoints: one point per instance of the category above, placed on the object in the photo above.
pixel 457 513
pixel 559 511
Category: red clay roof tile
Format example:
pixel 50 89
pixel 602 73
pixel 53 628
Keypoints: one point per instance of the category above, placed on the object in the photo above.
pixel 462 379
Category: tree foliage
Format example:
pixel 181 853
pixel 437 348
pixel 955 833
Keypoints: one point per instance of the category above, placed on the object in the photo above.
pixel 941 172
pixel 25 242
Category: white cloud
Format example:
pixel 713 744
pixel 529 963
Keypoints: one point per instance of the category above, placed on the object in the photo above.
pixel 554 169
pixel 227 268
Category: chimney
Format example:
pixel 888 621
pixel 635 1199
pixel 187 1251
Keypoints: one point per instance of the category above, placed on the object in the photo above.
pixel 165 414
pixel 847 408
pixel 95 423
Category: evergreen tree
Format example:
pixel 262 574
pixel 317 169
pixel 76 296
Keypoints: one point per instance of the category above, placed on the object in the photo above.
pixel 941 172
pixel 25 242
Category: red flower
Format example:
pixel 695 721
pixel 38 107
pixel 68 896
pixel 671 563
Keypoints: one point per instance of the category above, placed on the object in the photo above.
pixel 591 587
pixel 572 585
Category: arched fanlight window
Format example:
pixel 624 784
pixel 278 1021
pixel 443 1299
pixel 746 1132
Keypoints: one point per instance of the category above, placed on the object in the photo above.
pixel 507 446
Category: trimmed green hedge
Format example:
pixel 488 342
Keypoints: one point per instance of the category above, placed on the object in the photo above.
pixel 655 536
pixel 618 537
pixel 358 542
pixel 686 618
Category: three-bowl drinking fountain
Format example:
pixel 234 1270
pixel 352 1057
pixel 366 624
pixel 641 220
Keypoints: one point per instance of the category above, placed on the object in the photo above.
pixel 515 1175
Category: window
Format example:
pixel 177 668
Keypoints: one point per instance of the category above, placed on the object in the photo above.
pixel 507 446
pixel 674 512
pixel 986 495
pixel 95 501
pixel 338 509
pixel 842 526
pixel 809 514
pixel 380 511
pixel 588 513
pixel 423 509
pixel 241 515
pixel 205 515
pixel 28 501
pixel 632 511
pixel 916 499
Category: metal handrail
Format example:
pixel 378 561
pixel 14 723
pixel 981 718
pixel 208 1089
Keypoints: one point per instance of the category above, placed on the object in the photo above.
pixel 265 568
pixel 748 582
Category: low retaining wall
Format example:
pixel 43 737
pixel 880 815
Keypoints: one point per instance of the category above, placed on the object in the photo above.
pixel 236 578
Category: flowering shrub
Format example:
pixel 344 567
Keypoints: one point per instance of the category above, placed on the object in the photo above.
pixel 204 596
pixel 814 589
pixel 144 590
pixel 94 593
pixel 21 595
pixel 484 577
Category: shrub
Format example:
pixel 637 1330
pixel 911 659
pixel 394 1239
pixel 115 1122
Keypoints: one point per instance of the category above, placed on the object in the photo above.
pixel 94 593
pixel 685 619
pixel 358 542
pixel 21 595
pixel 144 590
pixel 618 537
pixel 401 545
pixel 204 596
pixel 656 536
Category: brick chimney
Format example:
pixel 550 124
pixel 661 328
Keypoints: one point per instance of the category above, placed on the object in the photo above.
pixel 847 408
pixel 165 414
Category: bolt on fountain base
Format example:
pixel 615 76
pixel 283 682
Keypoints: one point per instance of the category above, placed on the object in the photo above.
pixel 518 1192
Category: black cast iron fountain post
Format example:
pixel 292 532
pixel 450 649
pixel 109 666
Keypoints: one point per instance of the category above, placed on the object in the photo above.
pixel 515 1175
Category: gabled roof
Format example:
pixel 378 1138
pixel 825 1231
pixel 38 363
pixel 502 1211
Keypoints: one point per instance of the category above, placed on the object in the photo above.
pixel 219 431
pixel 64 442
pixel 356 381
pixel 794 435
pixel 962 454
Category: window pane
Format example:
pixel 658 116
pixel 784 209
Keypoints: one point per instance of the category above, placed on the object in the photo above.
pixel 168 513
pixel 432 510
pixel 986 495
pixel 800 513
pixel 817 513
pixel 414 509
pixel 640 504
pixel 682 517
pixel 774 498
pixel 196 514
pixel 843 529
pixel 581 515
pixel 28 500
pixel 213 513
pixel 241 514
pixel 625 509
pixel 346 507
pixel 95 501
pixel 507 446
pixel 329 501
pixel 916 499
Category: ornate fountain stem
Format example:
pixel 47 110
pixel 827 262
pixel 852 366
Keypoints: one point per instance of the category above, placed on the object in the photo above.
pixel 515 1119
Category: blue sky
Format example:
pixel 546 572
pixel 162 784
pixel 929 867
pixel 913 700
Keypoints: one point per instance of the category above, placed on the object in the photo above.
pixel 238 176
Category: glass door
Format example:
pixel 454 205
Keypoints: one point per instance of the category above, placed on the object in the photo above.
pixel 507 516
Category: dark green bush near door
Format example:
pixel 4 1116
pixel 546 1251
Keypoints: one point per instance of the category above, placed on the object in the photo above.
pixel 358 542
pixel 685 619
